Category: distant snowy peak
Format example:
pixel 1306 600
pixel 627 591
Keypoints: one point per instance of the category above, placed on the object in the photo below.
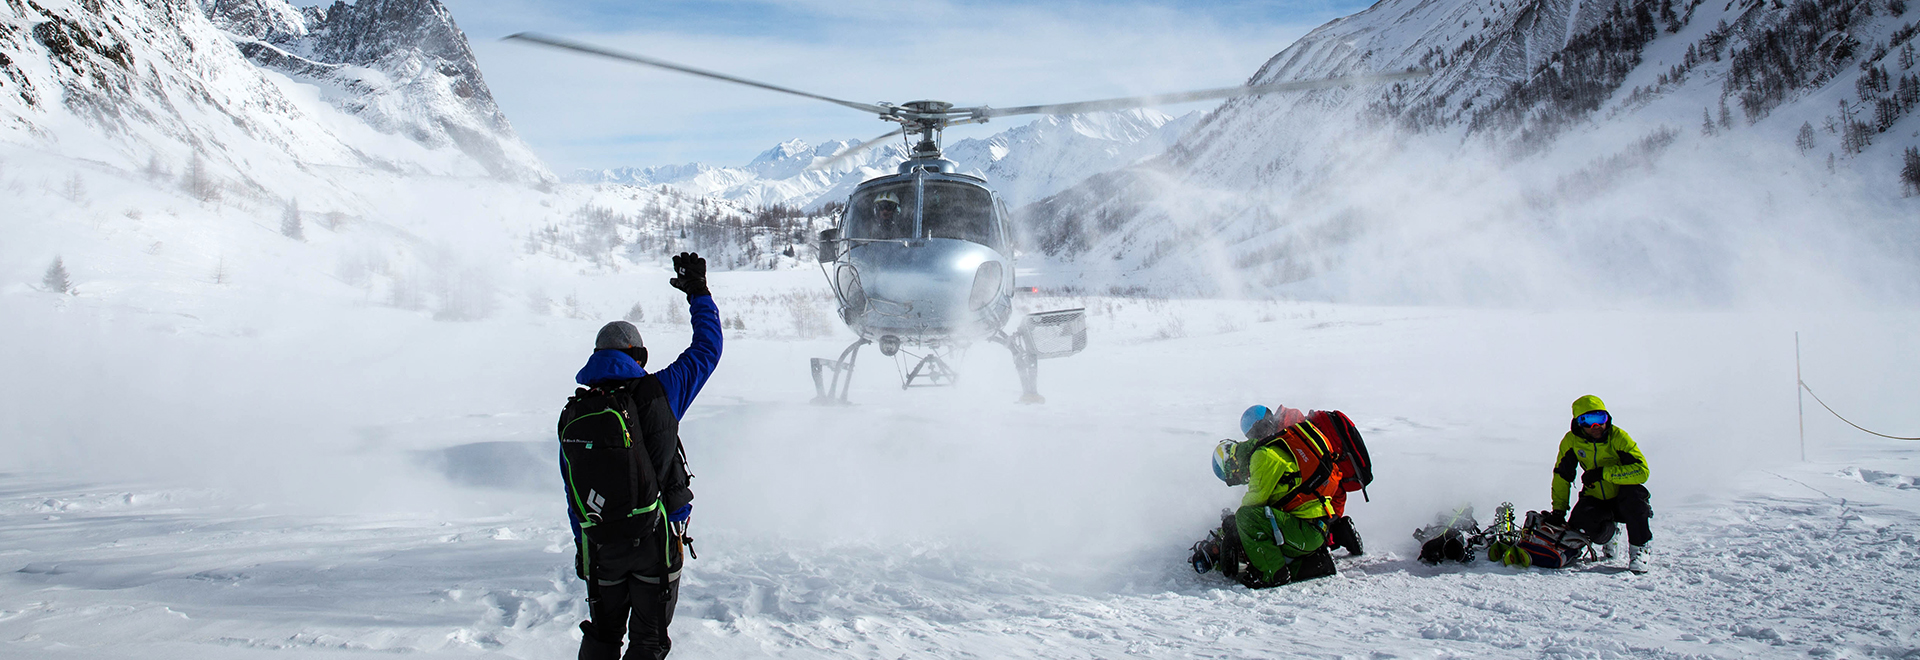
pixel 793 157
pixel 1030 162
pixel 1025 162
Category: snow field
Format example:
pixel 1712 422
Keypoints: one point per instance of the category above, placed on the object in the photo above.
pixel 349 479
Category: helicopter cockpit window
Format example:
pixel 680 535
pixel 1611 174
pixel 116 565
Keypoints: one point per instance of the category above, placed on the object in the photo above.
pixel 882 212
pixel 961 212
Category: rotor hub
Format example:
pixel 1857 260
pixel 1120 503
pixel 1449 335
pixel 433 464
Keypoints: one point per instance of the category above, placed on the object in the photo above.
pixel 929 107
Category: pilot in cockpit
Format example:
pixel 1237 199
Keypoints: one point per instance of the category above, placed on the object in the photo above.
pixel 888 223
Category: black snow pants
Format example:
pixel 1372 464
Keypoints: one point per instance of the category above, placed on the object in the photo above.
pixel 1595 517
pixel 631 604
pixel 632 588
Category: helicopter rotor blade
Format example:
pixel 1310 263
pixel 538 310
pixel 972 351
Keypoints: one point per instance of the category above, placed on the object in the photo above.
pixel 1129 102
pixel 568 44
pixel 855 149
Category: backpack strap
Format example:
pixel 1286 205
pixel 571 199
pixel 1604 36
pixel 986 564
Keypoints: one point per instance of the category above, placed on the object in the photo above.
pixel 1309 484
pixel 645 389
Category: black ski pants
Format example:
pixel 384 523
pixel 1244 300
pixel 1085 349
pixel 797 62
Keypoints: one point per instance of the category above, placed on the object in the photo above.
pixel 1632 507
pixel 631 604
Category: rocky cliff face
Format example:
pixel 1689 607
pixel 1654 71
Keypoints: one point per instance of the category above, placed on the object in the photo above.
pixel 403 66
pixel 162 83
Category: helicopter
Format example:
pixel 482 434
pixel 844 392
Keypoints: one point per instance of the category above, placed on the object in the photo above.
pixel 921 260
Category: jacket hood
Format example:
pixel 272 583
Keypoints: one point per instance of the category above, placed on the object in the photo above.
pixel 609 365
pixel 1289 416
pixel 1587 404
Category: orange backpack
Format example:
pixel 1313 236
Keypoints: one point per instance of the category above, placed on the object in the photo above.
pixel 1320 474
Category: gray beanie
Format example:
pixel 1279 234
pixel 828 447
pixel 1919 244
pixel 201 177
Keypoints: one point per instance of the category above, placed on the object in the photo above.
pixel 616 335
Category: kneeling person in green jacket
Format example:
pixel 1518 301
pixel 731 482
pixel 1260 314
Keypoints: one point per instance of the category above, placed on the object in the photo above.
pixel 1612 474
pixel 1282 520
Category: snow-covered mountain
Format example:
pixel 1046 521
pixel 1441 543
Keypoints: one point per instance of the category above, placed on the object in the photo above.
pixel 215 155
pixel 1559 147
pixel 402 66
pixel 1024 163
pixel 253 90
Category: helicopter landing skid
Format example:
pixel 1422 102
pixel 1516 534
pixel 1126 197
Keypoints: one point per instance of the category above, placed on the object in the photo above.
pixel 1025 362
pixel 826 393
pixel 932 368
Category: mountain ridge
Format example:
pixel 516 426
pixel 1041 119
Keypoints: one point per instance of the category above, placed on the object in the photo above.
pixel 1582 123
pixel 1024 162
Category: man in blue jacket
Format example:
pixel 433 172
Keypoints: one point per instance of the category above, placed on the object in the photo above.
pixel 633 580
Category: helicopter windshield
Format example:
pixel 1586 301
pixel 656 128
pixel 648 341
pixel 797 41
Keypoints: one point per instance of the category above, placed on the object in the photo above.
pixel 959 211
pixel 882 212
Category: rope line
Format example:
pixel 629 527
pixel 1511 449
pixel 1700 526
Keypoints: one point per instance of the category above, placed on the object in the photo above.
pixel 1823 404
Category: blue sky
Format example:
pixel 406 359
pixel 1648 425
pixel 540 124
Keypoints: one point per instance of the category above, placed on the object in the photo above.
pixel 577 112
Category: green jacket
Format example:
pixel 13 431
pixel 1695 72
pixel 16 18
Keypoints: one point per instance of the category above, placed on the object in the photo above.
pixel 1271 472
pixel 1617 458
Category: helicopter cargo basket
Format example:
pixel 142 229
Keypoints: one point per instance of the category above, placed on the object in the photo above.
pixel 1058 333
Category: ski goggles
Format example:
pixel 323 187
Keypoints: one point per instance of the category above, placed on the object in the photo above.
pixel 1592 419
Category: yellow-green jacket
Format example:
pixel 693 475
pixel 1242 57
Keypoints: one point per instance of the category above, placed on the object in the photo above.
pixel 1271 472
pixel 1617 458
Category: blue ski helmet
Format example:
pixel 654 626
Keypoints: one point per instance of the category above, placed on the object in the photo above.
pixel 1252 416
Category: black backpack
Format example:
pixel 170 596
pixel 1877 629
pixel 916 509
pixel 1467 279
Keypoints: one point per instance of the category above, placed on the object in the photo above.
pixel 612 485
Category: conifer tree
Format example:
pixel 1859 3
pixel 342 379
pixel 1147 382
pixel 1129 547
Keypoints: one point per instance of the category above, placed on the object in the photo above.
pixel 155 169
pixel 290 221
pixel 56 278
pixel 1805 139
pixel 198 182
pixel 1910 171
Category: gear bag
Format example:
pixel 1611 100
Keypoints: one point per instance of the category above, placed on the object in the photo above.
pixel 1549 545
pixel 1221 549
pixel 1319 476
pixel 612 485
pixel 1451 537
pixel 1356 465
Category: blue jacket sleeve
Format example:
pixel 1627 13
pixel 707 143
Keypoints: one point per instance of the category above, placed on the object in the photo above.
pixel 688 373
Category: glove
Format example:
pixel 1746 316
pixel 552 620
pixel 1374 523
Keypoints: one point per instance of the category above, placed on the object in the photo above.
pixel 1590 477
pixel 1557 517
pixel 690 275
pixel 682 514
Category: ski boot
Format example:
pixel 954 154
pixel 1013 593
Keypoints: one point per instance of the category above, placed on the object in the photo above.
pixel 1252 579
pixel 1306 567
pixel 1341 534
pixel 1637 558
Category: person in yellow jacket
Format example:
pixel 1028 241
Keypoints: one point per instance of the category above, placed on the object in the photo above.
pixel 1282 532
pixel 1612 474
